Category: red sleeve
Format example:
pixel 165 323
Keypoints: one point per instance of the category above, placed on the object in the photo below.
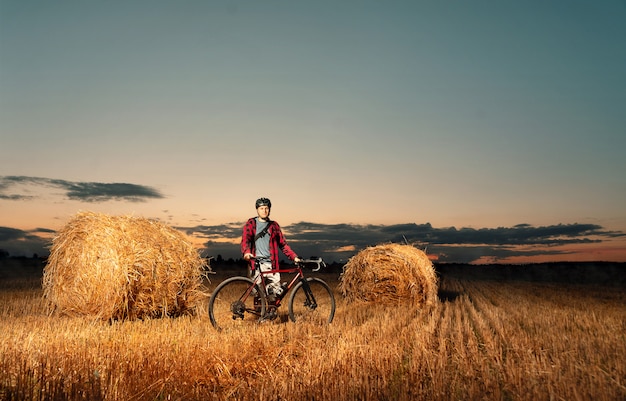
pixel 247 237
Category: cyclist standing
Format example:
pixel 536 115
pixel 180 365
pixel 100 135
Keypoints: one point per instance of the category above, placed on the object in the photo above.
pixel 262 239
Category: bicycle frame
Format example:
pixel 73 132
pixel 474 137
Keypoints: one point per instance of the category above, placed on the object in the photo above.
pixel 298 276
pixel 252 299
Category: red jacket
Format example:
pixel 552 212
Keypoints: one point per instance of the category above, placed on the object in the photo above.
pixel 277 241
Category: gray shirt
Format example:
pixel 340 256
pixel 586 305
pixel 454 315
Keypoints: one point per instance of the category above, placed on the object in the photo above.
pixel 262 245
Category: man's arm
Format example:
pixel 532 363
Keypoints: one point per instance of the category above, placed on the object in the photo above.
pixel 247 238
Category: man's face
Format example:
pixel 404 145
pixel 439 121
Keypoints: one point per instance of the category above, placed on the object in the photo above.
pixel 263 212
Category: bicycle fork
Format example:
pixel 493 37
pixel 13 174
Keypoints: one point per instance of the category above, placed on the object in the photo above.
pixel 310 298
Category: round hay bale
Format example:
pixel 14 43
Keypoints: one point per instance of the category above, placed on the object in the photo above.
pixel 390 273
pixel 122 267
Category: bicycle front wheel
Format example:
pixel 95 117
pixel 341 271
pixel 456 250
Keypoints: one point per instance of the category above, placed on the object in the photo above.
pixel 312 301
pixel 232 304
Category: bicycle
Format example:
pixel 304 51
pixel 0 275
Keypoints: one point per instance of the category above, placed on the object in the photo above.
pixel 240 300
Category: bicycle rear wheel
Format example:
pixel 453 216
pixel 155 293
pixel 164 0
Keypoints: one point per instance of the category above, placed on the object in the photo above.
pixel 232 304
pixel 312 302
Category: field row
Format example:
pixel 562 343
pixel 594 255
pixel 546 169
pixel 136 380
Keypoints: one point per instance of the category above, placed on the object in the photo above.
pixel 483 340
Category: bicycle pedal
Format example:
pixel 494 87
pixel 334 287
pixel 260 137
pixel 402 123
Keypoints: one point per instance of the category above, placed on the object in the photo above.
pixel 269 316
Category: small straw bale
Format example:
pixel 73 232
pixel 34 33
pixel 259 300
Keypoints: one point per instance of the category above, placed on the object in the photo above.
pixel 390 273
pixel 122 267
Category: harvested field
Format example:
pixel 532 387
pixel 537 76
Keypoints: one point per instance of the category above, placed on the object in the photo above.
pixel 485 339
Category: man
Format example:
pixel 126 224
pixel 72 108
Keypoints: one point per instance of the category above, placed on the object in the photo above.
pixel 262 239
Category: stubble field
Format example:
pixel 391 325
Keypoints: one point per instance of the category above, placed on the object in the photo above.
pixel 486 339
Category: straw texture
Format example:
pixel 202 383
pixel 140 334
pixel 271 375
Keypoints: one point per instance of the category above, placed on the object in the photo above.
pixel 390 273
pixel 122 267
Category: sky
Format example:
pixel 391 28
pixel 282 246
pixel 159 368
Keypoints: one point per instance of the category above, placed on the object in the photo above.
pixel 481 132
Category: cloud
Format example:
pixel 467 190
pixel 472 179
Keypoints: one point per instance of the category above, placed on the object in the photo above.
pixel 25 243
pixel 218 232
pixel 338 242
pixel 79 191
pixel 15 197
pixel 8 234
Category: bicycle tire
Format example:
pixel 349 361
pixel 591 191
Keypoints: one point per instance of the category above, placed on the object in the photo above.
pixel 300 309
pixel 232 304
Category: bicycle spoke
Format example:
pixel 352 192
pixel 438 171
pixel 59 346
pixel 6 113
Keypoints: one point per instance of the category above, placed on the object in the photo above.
pixel 231 306
pixel 318 306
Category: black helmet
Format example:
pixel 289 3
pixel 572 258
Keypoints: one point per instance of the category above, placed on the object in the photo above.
pixel 262 202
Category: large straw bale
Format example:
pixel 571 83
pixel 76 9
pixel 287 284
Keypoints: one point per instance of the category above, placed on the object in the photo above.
pixel 390 273
pixel 122 267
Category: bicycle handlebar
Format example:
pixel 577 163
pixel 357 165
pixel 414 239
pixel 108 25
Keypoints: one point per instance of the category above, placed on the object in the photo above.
pixel 318 261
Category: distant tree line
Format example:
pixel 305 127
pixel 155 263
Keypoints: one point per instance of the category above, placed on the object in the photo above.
pixel 4 254
pixel 220 262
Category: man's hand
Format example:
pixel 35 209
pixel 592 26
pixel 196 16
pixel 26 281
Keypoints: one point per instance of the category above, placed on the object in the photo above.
pixel 297 260
pixel 248 256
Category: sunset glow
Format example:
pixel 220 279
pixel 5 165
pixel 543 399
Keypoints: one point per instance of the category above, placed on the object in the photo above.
pixel 478 131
